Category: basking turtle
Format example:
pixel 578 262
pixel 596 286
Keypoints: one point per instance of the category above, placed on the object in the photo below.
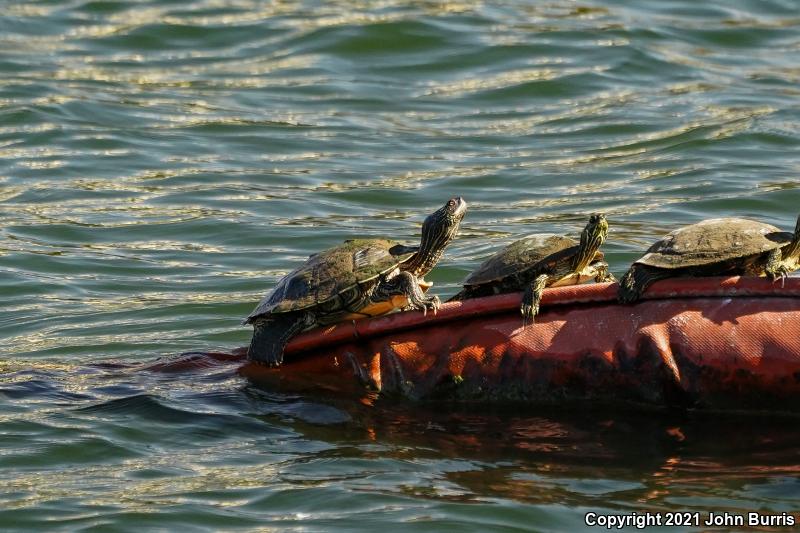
pixel 539 261
pixel 715 247
pixel 359 278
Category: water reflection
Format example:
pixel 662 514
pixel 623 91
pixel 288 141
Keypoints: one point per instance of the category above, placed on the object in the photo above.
pixel 652 460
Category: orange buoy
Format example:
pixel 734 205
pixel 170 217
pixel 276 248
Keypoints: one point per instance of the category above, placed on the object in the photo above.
pixel 722 343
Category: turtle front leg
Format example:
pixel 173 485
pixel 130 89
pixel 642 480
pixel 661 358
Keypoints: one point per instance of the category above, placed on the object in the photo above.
pixel 406 284
pixel 776 267
pixel 532 298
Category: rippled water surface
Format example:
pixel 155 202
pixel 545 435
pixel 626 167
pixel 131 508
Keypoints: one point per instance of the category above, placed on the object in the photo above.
pixel 163 163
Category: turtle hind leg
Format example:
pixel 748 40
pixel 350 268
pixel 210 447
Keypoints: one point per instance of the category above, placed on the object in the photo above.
pixel 636 280
pixel 270 335
pixel 604 275
pixel 406 284
pixel 532 298
pixel 607 277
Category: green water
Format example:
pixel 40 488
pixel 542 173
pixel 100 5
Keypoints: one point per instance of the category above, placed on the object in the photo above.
pixel 163 163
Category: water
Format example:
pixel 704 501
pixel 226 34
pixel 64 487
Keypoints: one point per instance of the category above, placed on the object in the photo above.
pixel 163 163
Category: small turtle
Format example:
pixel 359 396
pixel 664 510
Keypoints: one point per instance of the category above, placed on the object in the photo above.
pixel 539 261
pixel 715 247
pixel 359 278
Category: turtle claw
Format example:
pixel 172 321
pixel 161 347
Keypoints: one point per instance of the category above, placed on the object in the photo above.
pixel 784 273
pixel 433 303
pixel 780 273
pixel 528 312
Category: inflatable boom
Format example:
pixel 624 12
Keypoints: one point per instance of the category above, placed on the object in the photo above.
pixel 721 343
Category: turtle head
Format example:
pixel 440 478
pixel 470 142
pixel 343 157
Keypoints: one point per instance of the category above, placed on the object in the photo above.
pixel 592 238
pixel 439 228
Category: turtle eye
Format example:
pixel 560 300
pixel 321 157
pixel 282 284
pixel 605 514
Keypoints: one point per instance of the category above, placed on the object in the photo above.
pixel 451 203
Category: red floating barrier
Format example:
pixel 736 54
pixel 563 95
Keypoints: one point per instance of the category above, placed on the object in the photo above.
pixel 721 343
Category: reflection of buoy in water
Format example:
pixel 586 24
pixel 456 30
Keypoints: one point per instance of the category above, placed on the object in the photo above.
pixel 726 343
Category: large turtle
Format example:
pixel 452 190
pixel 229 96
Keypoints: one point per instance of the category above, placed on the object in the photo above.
pixel 715 247
pixel 359 278
pixel 539 261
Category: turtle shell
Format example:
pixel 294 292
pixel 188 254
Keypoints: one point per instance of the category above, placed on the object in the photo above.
pixel 533 251
pixel 713 241
pixel 329 273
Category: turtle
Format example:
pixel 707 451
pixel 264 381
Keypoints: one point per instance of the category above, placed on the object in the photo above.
pixel 715 247
pixel 358 278
pixel 538 261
